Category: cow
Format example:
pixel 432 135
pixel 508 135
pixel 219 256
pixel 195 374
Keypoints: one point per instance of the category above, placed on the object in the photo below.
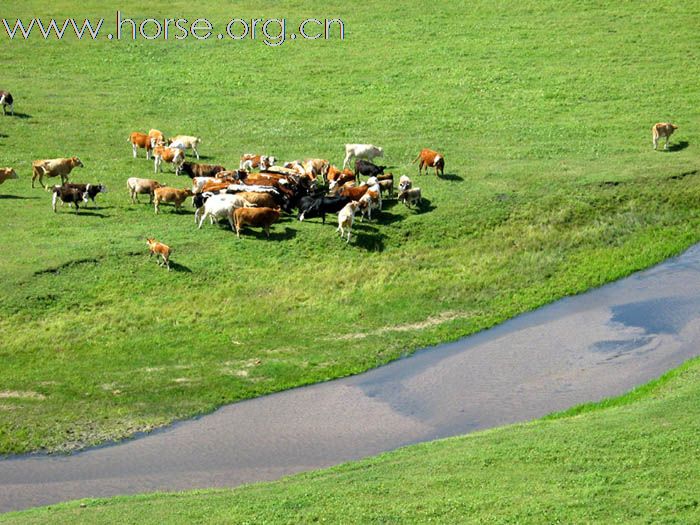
pixel 405 183
pixel 256 217
pixel 662 129
pixel 430 159
pixel 260 199
pixel 142 141
pixel 174 195
pixel 192 169
pixel 372 200
pixel 157 138
pixel 172 156
pixel 346 216
pixel 69 195
pixel 368 169
pixel 89 190
pixel 354 193
pixel 341 179
pixel 7 100
pixel 251 160
pixel 185 142
pixel 138 187
pixel 7 174
pixel 220 207
pixel 310 207
pixel 54 168
pixel 387 186
pixel 361 151
pixel 159 250
pixel 411 196
pixel 314 168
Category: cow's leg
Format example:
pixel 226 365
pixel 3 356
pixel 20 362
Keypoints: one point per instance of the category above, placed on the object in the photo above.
pixel 204 216
pixel 156 206
pixel 666 145
pixel 195 152
pixel 267 231
pixel 12 109
pixel 53 202
pixel 134 150
pixel 655 141
pixel 347 159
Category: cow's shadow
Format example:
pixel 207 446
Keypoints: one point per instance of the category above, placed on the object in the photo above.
pixel 275 235
pixel 177 267
pixel 17 197
pixel 679 146
pixel 683 175
pixel 424 207
pixel 451 176
pixel 367 235
pixel 3 136
pixel 87 213
pixel 381 217
pixel 20 115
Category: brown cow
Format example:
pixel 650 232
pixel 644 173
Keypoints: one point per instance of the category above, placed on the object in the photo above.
pixel 251 160
pixel 174 195
pixel 662 129
pixel 355 193
pixel 159 249
pixel 7 174
pixel 430 159
pixel 140 141
pixel 263 217
pixel 54 168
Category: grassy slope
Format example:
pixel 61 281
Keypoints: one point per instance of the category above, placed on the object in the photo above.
pixel 536 107
pixel 636 462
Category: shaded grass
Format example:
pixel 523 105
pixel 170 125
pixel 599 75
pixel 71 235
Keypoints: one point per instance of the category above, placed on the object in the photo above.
pixel 631 459
pixel 542 111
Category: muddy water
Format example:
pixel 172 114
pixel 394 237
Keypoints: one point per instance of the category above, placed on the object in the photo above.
pixel 579 349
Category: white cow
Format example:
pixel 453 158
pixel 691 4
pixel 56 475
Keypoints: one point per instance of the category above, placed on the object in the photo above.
pixel 185 142
pixel 361 151
pixel 346 216
pixel 222 206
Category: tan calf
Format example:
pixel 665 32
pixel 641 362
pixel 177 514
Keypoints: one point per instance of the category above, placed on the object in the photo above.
pixel 159 250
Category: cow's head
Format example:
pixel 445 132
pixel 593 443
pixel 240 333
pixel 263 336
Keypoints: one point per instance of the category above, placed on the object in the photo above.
pixel 8 173
pixel 77 163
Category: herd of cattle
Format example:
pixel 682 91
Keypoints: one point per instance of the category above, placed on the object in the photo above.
pixel 260 189
pixel 313 187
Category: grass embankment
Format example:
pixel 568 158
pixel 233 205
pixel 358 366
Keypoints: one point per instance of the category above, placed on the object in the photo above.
pixel 542 111
pixel 636 462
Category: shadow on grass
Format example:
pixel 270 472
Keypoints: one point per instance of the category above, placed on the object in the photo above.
pixel 678 147
pixel 259 233
pixel 367 237
pixel 20 115
pixel 16 197
pixel 177 267
pixel 3 136
pixel 683 175
pixel 452 177
pixel 69 264
pixel 85 213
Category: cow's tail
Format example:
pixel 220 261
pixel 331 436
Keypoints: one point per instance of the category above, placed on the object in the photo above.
pixel 416 159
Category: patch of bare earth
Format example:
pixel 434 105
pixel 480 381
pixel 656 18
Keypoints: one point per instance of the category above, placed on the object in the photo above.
pixel 14 394
pixel 408 327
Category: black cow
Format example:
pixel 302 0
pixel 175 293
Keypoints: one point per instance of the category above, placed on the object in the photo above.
pixel 318 206
pixel 368 169
pixel 69 195
pixel 192 169
pixel 7 100
pixel 90 190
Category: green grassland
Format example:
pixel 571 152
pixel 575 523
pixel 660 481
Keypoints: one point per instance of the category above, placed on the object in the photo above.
pixel 635 461
pixel 543 111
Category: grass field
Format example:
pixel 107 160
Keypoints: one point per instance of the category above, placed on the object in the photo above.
pixel 633 459
pixel 542 110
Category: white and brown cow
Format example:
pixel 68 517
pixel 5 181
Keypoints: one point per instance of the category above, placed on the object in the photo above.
pixel 7 174
pixel 185 142
pixel 662 129
pixel 7 100
pixel 172 156
pixel 138 187
pixel 430 159
pixel 140 141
